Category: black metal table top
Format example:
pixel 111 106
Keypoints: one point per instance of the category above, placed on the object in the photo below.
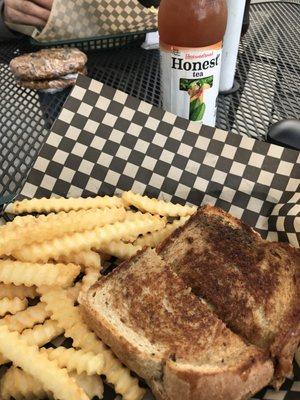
pixel 267 72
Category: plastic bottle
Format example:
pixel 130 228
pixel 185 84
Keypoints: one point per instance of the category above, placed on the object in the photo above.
pixel 191 34
pixel 231 43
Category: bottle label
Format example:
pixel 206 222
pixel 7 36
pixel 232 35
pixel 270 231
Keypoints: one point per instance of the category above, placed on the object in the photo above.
pixel 190 79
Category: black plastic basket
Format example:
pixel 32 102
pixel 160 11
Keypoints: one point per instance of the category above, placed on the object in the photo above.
pixel 95 43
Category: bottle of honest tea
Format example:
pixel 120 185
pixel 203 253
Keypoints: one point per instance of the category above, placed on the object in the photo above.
pixel 191 34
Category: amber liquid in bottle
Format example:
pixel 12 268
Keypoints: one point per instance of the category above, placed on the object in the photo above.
pixel 191 34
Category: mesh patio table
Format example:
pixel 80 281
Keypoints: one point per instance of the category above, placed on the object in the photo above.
pixel 267 75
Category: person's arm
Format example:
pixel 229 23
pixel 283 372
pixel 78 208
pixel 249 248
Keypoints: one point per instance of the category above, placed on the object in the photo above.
pixel 5 32
pixel 23 12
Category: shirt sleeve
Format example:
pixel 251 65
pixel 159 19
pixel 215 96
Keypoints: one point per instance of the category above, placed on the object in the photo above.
pixel 5 32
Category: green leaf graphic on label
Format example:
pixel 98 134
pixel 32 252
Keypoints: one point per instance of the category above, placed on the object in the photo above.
pixel 198 113
pixel 194 111
pixel 196 89
pixel 193 105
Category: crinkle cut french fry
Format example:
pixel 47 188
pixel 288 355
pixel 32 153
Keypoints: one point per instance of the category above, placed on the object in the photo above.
pixel 19 385
pixel 18 221
pixel 10 291
pixel 133 216
pixel 89 259
pixel 29 274
pixel 12 306
pixel 93 239
pixel 120 377
pixel 21 220
pixel 39 335
pixel 62 204
pixel 115 372
pixel 155 206
pixel 68 317
pixel 27 318
pixel 16 224
pixel 76 360
pixel 90 278
pixel 91 384
pixel 74 291
pixel 28 357
pixel 48 227
pixel 154 238
pixel 120 249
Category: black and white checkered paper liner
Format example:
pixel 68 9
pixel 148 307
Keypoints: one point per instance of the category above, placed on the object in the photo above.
pixel 106 142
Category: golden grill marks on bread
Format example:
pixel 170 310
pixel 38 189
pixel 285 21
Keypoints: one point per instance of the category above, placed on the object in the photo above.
pixel 253 285
pixel 162 331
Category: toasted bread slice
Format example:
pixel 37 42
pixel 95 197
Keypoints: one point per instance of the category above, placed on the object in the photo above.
pixel 169 337
pixel 253 285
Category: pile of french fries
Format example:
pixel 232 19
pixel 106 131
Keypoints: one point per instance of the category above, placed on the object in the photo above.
pixel 48 261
